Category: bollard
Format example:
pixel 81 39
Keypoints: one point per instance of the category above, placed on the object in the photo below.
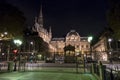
pixel 10 66
pixel 93 68
pixel 101 71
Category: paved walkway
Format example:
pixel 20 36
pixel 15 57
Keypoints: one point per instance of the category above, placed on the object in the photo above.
pixel 44 76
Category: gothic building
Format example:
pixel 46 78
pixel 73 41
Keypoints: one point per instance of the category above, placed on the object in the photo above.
pixel 56 45
pixel 38 27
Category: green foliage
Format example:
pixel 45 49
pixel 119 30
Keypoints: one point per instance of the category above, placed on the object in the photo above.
pixel 43 46
pixel 12 19
pixel 40 46
pixel 114 17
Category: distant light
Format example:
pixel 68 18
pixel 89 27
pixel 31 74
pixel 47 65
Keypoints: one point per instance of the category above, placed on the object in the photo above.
pixel 109 40
pixel 3 54
pixel 90 39
pixel 77 54
pixel 18 42
pixel 39 56
pixel 110 52
pixel 32 53
pixel 5 33
pixel 2 35
pixel 84 40
pixel 31 43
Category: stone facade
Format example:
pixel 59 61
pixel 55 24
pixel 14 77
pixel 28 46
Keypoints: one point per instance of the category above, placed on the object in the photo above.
pixel 56 45
pixel 100 49
pixel 72 38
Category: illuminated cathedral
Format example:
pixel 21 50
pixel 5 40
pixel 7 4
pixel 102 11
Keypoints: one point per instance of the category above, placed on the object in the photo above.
pixel 56 45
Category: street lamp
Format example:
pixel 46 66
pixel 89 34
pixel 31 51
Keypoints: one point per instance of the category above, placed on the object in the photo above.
pixel 31 46
pixel 18 43
pixel 5 33
pixel 31 43
pixel 90 38
pixel 110 48
pixel 110 40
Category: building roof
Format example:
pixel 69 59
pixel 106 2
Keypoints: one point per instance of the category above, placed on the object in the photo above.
pixel 72 32
pixel 58 39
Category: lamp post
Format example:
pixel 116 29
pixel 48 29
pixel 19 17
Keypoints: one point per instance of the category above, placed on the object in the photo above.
pixel 8 53
pixel 109 41
pixel 110 48
pixel 18 43
pixel 90 38
pixel 32 45
pixel 4 36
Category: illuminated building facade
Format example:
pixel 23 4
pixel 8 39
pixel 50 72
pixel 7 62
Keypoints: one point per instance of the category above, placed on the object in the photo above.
pixel 56 45
pixel 81 44
pixel 100 50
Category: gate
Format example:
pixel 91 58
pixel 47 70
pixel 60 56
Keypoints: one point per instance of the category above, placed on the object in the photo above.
pixel 79 66
pixel 48 67
pixel 57 67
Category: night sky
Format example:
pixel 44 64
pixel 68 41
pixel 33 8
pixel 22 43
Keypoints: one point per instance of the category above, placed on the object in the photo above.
pixel 85 16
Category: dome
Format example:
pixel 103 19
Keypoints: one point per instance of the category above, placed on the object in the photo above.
pixel 72 36
pixel 72 32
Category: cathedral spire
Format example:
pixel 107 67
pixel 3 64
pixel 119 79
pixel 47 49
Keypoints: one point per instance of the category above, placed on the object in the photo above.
pixel 40 18
pixel 50 32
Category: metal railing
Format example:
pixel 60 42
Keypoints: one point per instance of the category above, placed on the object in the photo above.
pixel 111 74
pixel 64 67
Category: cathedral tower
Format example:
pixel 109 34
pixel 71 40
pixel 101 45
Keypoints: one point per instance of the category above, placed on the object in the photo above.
pixel 39 27
pixel 40 18
pixel 50 33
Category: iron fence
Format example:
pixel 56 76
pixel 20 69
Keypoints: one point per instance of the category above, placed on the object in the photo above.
pixel 58 67
pixel 3 67
pixel 111 74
